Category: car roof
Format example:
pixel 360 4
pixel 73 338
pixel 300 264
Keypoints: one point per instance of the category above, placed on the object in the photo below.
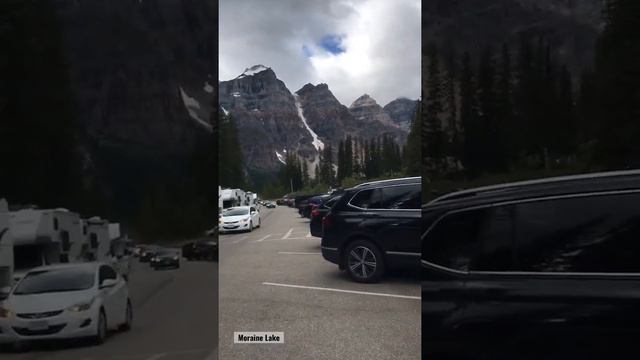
pixel 555 186
pixel 91 266
pixel 388 182
pixel 238 207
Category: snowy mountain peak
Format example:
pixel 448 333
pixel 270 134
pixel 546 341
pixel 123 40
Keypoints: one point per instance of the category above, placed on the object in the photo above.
pixel 253 70
pixel 364 100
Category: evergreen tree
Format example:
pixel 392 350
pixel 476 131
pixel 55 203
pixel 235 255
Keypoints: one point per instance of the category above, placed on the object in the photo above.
pixel 349 157
pixel 341 161
pixel 617 86
pixel 471 153
pixel 230 154
pixel 433 132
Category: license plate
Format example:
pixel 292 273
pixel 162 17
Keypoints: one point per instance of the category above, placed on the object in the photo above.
pixel 38 325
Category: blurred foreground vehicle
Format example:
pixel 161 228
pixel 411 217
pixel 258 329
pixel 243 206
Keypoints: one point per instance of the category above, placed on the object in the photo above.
pixel 545 268
pixel 66 301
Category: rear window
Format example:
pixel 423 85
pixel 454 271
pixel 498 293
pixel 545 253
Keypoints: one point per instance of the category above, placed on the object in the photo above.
pixel 368 199
pixel 402 197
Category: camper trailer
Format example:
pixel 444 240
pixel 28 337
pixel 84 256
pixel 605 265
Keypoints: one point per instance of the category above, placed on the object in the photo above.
pixel 99 242
pixel 252 199
pixel 233 197
pixel 44 236
pixel 6 250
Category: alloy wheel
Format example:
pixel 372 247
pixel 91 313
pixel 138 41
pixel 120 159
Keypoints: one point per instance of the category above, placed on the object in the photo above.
pixel 362 262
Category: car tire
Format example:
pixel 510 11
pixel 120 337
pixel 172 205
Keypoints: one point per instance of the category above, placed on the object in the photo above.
pixel 364 261
pixel 128 317
pixel 101 329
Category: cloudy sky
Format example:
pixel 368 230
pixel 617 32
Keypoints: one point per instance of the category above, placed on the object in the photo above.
pixel 354 46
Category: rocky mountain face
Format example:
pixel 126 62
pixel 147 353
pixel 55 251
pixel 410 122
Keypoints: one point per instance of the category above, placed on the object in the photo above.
pixel 273 121
pixel 402 111
pixel 267 118
pixel 469 25
pixel 142 74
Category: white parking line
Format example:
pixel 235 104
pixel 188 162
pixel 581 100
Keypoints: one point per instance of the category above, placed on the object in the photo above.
pixel 263 238
pixel 286 236
pixel 298 253
pixel 344 291
pixel 242 238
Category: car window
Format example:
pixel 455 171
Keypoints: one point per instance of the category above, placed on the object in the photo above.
pixel 55 280
pixel 581 234
pixel 475 240
pixel 368 199
pixel 106 272
pixel 235 212
pixel 329 204
pixel 402 197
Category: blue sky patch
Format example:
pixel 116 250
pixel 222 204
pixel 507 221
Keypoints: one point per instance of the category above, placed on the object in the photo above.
pixel 306 51
pixel 332 43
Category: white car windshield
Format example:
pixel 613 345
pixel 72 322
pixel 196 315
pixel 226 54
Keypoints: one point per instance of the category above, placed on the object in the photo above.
pixel 235 212
pixel 58 280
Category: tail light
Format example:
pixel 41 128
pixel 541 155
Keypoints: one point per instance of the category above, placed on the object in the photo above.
pixel 315 213
pixel 326 222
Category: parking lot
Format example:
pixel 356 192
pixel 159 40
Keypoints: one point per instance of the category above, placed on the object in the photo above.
pixel 274 279
pixel 175 317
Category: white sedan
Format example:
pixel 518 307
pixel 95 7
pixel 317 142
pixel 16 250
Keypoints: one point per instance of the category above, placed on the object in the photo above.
pixel 240 218
pixel 66 301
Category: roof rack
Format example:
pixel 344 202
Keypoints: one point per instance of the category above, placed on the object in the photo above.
pixel 508 186
pixel 388 180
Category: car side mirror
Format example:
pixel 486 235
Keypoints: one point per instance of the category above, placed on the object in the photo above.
pixel 108 283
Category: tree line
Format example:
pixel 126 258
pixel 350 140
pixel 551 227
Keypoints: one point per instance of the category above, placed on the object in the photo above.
pixel 519 107
pixel 356 159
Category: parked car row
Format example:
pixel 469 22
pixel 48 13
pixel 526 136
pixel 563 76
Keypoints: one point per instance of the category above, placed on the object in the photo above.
pixel 203 249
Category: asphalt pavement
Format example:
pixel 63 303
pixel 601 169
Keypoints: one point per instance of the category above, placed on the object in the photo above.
pixel 175 318
pixel 274 279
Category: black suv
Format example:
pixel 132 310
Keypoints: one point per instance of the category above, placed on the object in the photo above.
pixel 547 269
pixel 374 226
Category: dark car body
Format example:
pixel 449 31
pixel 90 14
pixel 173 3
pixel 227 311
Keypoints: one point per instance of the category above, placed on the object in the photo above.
pixel 166 258
pixel 147 253
pixel 534 270
pixel 203 249
pixel 270 205
pixel 374 226
pixel 317 214
pixel 313 203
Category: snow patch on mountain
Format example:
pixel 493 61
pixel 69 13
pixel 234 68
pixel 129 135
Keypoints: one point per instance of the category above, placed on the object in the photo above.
pixel 253 70
pixel 192 105
pixel 280 157
pixel 317 143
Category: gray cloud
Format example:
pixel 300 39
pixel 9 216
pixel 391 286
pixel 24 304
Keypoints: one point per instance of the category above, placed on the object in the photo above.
pixel 381 39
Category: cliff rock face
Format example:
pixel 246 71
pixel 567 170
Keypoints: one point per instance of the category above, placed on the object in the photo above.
pixel 272 121
pixel 267 118
pixel 143 77
pixel 401 111
pixel 373 121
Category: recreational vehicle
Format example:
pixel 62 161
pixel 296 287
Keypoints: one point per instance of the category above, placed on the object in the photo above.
pixel 232 198
pixel 43 237
pixel 98 239
pixel 6 250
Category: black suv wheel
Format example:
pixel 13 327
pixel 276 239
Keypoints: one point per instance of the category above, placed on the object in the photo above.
pixel 364 261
